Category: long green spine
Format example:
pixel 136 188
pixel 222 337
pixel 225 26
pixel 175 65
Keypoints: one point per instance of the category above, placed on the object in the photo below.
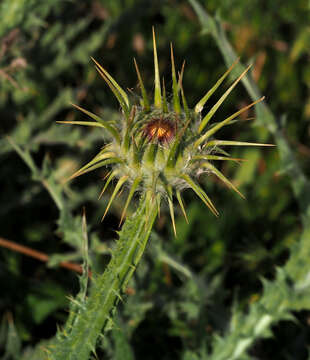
pixel 94 315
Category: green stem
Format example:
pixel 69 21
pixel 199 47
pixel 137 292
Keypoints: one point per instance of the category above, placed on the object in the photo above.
pixel 94 316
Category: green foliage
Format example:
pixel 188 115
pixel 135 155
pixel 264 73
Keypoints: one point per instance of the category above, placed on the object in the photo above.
pixel 197 296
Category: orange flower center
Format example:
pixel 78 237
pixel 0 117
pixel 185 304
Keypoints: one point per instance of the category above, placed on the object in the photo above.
pixel 160 130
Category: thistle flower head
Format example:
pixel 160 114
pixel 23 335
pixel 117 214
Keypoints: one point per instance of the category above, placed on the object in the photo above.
pixel 160 147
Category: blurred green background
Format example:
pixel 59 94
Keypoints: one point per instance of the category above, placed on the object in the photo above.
pixel 185 287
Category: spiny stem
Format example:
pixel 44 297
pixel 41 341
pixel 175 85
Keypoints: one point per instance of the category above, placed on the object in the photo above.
pixel 77 342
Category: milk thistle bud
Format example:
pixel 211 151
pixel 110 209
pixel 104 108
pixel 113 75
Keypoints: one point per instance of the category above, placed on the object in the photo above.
pixel 160 148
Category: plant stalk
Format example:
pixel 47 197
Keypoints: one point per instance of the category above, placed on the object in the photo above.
pixel 94 316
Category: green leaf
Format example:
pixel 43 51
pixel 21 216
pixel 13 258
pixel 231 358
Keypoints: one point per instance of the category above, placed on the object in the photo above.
pixel 70 229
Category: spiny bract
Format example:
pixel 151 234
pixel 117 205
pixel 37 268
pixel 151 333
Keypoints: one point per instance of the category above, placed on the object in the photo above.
pixel 159 149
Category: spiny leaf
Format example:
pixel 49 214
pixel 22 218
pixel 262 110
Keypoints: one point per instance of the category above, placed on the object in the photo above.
pixel 199 106
pixel 110 161
pixel 171 209
pixel 165 105
pixel 151 154
pixel 186 109
pixel 181 204
pixel 129 125
pixel 209 115
pixel 158 200
pixel 149 202
pixel 85 123
pixel 135 151
pixel 215 171
pixel 119 184
pixel 133 188
pixel 215 157
pixel 175 90
pixel 200 192
pixel 146 103
pixel 104 123
pixel 218 126
pixel 155 177
pixel 115 84
pixel 181 73
pixel 172 153
pixel 97 158
pixel 157 94
pixel 110 178
pixel 233 143
pixel 116 93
